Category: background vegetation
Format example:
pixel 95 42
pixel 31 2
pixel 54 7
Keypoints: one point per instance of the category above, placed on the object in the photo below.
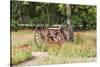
pixel 22 12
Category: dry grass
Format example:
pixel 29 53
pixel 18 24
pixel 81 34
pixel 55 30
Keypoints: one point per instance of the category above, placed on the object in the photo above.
pixel 21 37
pixel 84 46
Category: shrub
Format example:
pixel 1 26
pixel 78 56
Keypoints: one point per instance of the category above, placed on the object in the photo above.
pixel 14 25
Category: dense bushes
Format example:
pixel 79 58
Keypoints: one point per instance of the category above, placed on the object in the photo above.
pixel 83 17
pixel 14 25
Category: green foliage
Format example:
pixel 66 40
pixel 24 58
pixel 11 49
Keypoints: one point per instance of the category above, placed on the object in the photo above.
pixel 14 25
pixel 84 15
pixel 19 56
pixel 37 13
pixel 75 22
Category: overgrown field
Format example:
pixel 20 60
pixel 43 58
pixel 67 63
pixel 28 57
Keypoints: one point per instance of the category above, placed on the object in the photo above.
pixel 83 46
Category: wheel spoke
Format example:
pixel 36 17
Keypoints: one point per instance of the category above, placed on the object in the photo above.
pixel 40 42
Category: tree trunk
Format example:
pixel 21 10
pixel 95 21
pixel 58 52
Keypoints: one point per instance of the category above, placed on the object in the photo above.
pixel 69 26
pixel 48 17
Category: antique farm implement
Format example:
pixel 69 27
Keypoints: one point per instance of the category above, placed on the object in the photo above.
pixel 55 33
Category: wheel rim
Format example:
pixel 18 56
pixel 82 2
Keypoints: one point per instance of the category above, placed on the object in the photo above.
pixel 39 39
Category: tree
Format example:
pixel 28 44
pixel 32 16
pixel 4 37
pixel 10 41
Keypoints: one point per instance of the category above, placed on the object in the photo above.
pixel 84 15
pixel 51 13
pixel 69 26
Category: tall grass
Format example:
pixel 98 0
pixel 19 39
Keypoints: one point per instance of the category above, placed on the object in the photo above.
pixel 20 55
pixel 83 46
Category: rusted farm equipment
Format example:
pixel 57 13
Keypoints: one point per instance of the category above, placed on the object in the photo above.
pixel 55 33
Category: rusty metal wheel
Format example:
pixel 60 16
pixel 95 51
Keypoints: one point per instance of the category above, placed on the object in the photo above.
pixel 39 39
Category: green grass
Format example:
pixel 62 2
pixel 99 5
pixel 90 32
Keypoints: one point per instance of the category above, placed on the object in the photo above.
pixel 19 55
pixel 83 46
